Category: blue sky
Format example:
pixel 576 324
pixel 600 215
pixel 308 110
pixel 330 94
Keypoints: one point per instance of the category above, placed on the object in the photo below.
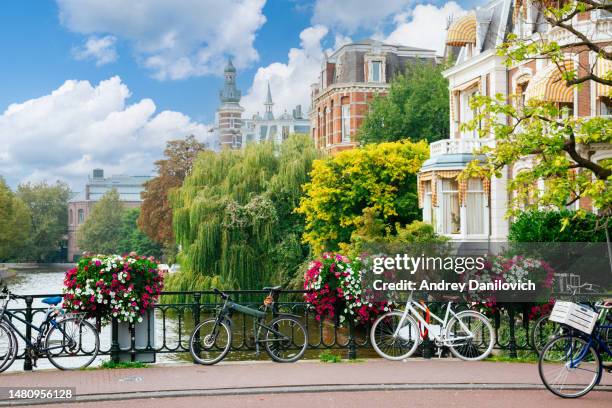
pixel 89 83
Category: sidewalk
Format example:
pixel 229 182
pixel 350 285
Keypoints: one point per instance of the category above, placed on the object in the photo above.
pixel 265 378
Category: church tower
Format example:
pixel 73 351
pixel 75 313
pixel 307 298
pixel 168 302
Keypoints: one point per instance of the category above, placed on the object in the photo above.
pixel 229 114
pixel 269 104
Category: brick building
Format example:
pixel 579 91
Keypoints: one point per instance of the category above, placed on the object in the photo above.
pixel 79 207
pixel 349 79
pixel 475 209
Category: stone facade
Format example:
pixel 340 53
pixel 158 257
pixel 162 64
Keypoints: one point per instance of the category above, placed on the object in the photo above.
pixel 80 206
pixel 350 78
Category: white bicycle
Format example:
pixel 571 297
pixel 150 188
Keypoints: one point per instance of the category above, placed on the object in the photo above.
pixel 468 334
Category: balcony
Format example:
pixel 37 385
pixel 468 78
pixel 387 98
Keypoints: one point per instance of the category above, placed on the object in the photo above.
pixel 458 146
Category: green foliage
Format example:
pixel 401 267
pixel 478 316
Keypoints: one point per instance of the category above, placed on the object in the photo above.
pixel 110 364
pixel 101 232
pixel 380 177
pixel 415 108
pixel 132 239
pixel 548 226
pixel 329 357
pixel 234 220
pixel 48 205
pixel 15 223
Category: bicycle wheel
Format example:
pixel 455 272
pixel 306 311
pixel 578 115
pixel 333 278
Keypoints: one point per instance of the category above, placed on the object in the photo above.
pixel 398 347
pixel 543 331
pixel 288 342
pixel 71 344
pixel 210 342
pixel 569 366
pixel 470 336
pixel 8 347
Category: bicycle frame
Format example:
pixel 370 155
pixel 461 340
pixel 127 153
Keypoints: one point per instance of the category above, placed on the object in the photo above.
pixel 410 308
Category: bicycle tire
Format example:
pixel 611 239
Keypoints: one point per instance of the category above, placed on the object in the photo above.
pixel 11 355
pixel 271 350
pixel 196 354
pixel 461 350
pixel 564 355
pixel 54 359
pixel 385 325
pixel 537 342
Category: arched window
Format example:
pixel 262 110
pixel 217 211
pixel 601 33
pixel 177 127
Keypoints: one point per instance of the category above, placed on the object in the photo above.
pixel 70 217
pixel 81 216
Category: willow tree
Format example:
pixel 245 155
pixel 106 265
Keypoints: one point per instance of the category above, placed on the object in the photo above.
pixel 234 220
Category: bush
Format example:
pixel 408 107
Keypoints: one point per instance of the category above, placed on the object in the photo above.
pixel 113 286
pixel 547 226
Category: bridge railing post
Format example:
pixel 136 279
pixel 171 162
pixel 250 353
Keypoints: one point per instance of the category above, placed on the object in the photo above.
pixel 114 340
pixel 195 313
pixel 27 361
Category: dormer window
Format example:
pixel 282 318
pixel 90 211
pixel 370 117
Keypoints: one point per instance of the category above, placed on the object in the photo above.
pixel 375 68
pixel 376 74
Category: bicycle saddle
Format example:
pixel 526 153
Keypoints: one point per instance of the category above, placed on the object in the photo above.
pixel 52 300
pixel 273 288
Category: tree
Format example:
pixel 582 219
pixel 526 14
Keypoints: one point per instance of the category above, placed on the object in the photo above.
pixel 234 219
pixel 155 218
pixel 133 239
pixel 15 223
pixel 48 205
pixel 559 145
pixel 101 232
pixel 349 186
pixel 415 108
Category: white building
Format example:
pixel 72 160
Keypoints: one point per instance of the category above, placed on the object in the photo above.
pixel 476 209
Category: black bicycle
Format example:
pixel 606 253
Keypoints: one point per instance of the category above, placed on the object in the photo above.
pixel 68 341
pixel 284 337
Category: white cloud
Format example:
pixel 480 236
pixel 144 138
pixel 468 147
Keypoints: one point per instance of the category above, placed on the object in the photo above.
pixel 290 82
pixel 100 49
pixel 79 126
pixel 351 15
pixel 425 26
pixel 175 39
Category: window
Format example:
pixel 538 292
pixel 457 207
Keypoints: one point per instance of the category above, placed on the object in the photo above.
pixel 475 203
pixel 70 217
pixel 429 213
pixel 285 132
pixel 451 218
pixel 81 216
pixel 346 123
pixel 376 75
pixel 605 105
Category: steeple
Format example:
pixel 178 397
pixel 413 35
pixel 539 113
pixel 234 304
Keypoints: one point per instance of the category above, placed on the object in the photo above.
pixel 229 93
pixel 268 104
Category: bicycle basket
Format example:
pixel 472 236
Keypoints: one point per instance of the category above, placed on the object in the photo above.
pixel 574 315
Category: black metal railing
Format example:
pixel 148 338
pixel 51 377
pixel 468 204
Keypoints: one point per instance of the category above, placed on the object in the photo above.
pixel 168 332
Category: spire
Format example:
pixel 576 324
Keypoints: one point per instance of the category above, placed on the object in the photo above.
pixel 229 93
pixel 268 104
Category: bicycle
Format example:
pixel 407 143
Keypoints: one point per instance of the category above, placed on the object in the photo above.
pixel 63 339
pixel 468 334
pixel 571 364
pixel 285 337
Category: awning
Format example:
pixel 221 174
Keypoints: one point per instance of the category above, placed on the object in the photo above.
pixel 604 67
pixel 548 84
pixel 462 31
pixel 466 85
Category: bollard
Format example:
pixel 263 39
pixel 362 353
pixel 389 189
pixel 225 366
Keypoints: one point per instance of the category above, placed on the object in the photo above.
pixel 27 361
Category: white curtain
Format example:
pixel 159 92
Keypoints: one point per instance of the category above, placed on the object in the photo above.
pixel 451 223
pixel 475 202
